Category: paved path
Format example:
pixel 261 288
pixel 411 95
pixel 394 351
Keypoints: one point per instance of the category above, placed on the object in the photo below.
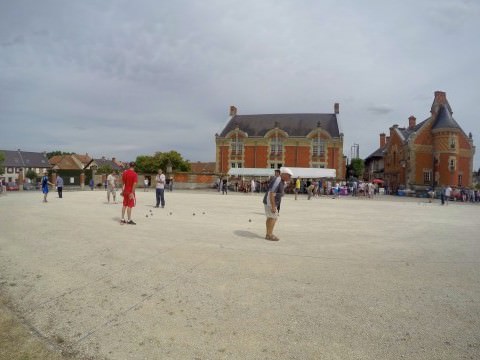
pixel 389 278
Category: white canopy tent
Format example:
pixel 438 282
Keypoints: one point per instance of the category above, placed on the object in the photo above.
pixel 305 173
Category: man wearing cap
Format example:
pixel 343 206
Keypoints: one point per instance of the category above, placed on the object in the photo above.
pixel 130 180
pixel 272 199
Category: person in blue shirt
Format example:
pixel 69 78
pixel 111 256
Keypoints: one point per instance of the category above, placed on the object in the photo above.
pixel 45 184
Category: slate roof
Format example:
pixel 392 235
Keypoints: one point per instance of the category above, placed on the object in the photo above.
pixel 445 119
pixel 379 153
pixel 292 124
pixel 26 159
pixel 406 132
pixel 106 162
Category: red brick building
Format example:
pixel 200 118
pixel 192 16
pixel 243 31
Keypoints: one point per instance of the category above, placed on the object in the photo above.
pixel 435 152
pixel 275 140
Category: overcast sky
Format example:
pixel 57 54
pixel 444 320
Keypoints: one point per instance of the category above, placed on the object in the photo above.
pixel 124 78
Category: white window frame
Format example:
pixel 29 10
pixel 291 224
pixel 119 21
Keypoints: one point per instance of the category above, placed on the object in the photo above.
pixel 318 146
pixel 276 146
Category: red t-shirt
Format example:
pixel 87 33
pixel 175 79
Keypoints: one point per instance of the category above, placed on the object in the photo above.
pixel 129 178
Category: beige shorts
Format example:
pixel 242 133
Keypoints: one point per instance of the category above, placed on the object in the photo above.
pixel 270 214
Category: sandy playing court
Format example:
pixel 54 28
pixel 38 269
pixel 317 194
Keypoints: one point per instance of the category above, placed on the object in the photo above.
pixel 388 278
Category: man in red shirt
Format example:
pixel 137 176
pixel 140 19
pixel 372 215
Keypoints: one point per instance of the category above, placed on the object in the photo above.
pixel 129 179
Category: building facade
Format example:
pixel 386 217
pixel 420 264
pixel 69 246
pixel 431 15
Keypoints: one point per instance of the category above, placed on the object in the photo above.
pixel 275 140
pixel 435 152
pixel 18 162
pixel 375 162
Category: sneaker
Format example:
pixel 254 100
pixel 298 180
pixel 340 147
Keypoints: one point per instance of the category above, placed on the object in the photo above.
pixel 131 222
pixel 122 222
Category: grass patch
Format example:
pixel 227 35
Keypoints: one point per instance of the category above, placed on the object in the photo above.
pixel 17 342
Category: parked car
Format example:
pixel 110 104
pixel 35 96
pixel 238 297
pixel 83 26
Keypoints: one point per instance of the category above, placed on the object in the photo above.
pixel 12 186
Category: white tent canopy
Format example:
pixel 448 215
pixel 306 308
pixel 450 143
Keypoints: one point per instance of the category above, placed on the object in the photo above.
pixel 306 173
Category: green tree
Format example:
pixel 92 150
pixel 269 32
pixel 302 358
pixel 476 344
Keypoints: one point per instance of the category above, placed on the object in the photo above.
pixel 104 169
pixel 2 159
pixel 146 164
pixel 57 152
pixel 174 159
pixel 357 166
pixel 161 160
pixel 32 175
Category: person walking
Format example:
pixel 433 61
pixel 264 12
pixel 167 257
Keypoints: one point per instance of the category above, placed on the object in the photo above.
pixel 273 198
pixel 129 179
pixel 60 186
pixel 112 187
pixel 297 187
pixel 160 188
pixel 45 184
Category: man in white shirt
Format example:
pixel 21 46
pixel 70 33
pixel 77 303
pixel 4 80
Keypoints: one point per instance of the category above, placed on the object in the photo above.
pixel 160 188
pixel 111 187
pixel 448 193
pixel 272 200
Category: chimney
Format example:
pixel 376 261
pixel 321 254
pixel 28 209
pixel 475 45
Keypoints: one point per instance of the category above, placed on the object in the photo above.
pixel 387 139
pixel 233 111
pixel 336 108
pixel 382 140
pixel 412 121
pixel 440 97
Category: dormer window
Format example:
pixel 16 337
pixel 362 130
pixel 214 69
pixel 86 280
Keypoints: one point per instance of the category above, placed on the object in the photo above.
pixel 236 146
pixel 318 147
pixel 276 146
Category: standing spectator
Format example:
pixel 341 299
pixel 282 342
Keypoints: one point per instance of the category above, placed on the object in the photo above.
pixel 130 179
pixel 111 187
pixel 145 184
pixel 273 198
pixel 170 185
pixel 297 187
pixel 310 189
pixel 448 193
pixel 45 184
pixel 252 186
pixel 92 183
pixel 160 188
pixel 60 186
pixel 224 186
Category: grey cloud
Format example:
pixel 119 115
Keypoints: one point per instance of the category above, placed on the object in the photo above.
pixel 380 109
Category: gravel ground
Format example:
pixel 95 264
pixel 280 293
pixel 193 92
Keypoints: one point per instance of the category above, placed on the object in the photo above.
pixel 388 278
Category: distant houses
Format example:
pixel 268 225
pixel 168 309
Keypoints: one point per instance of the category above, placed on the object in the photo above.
pixel 18 162
pixel 434 152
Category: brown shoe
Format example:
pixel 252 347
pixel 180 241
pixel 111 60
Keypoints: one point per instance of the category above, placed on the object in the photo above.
pixel 271 237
